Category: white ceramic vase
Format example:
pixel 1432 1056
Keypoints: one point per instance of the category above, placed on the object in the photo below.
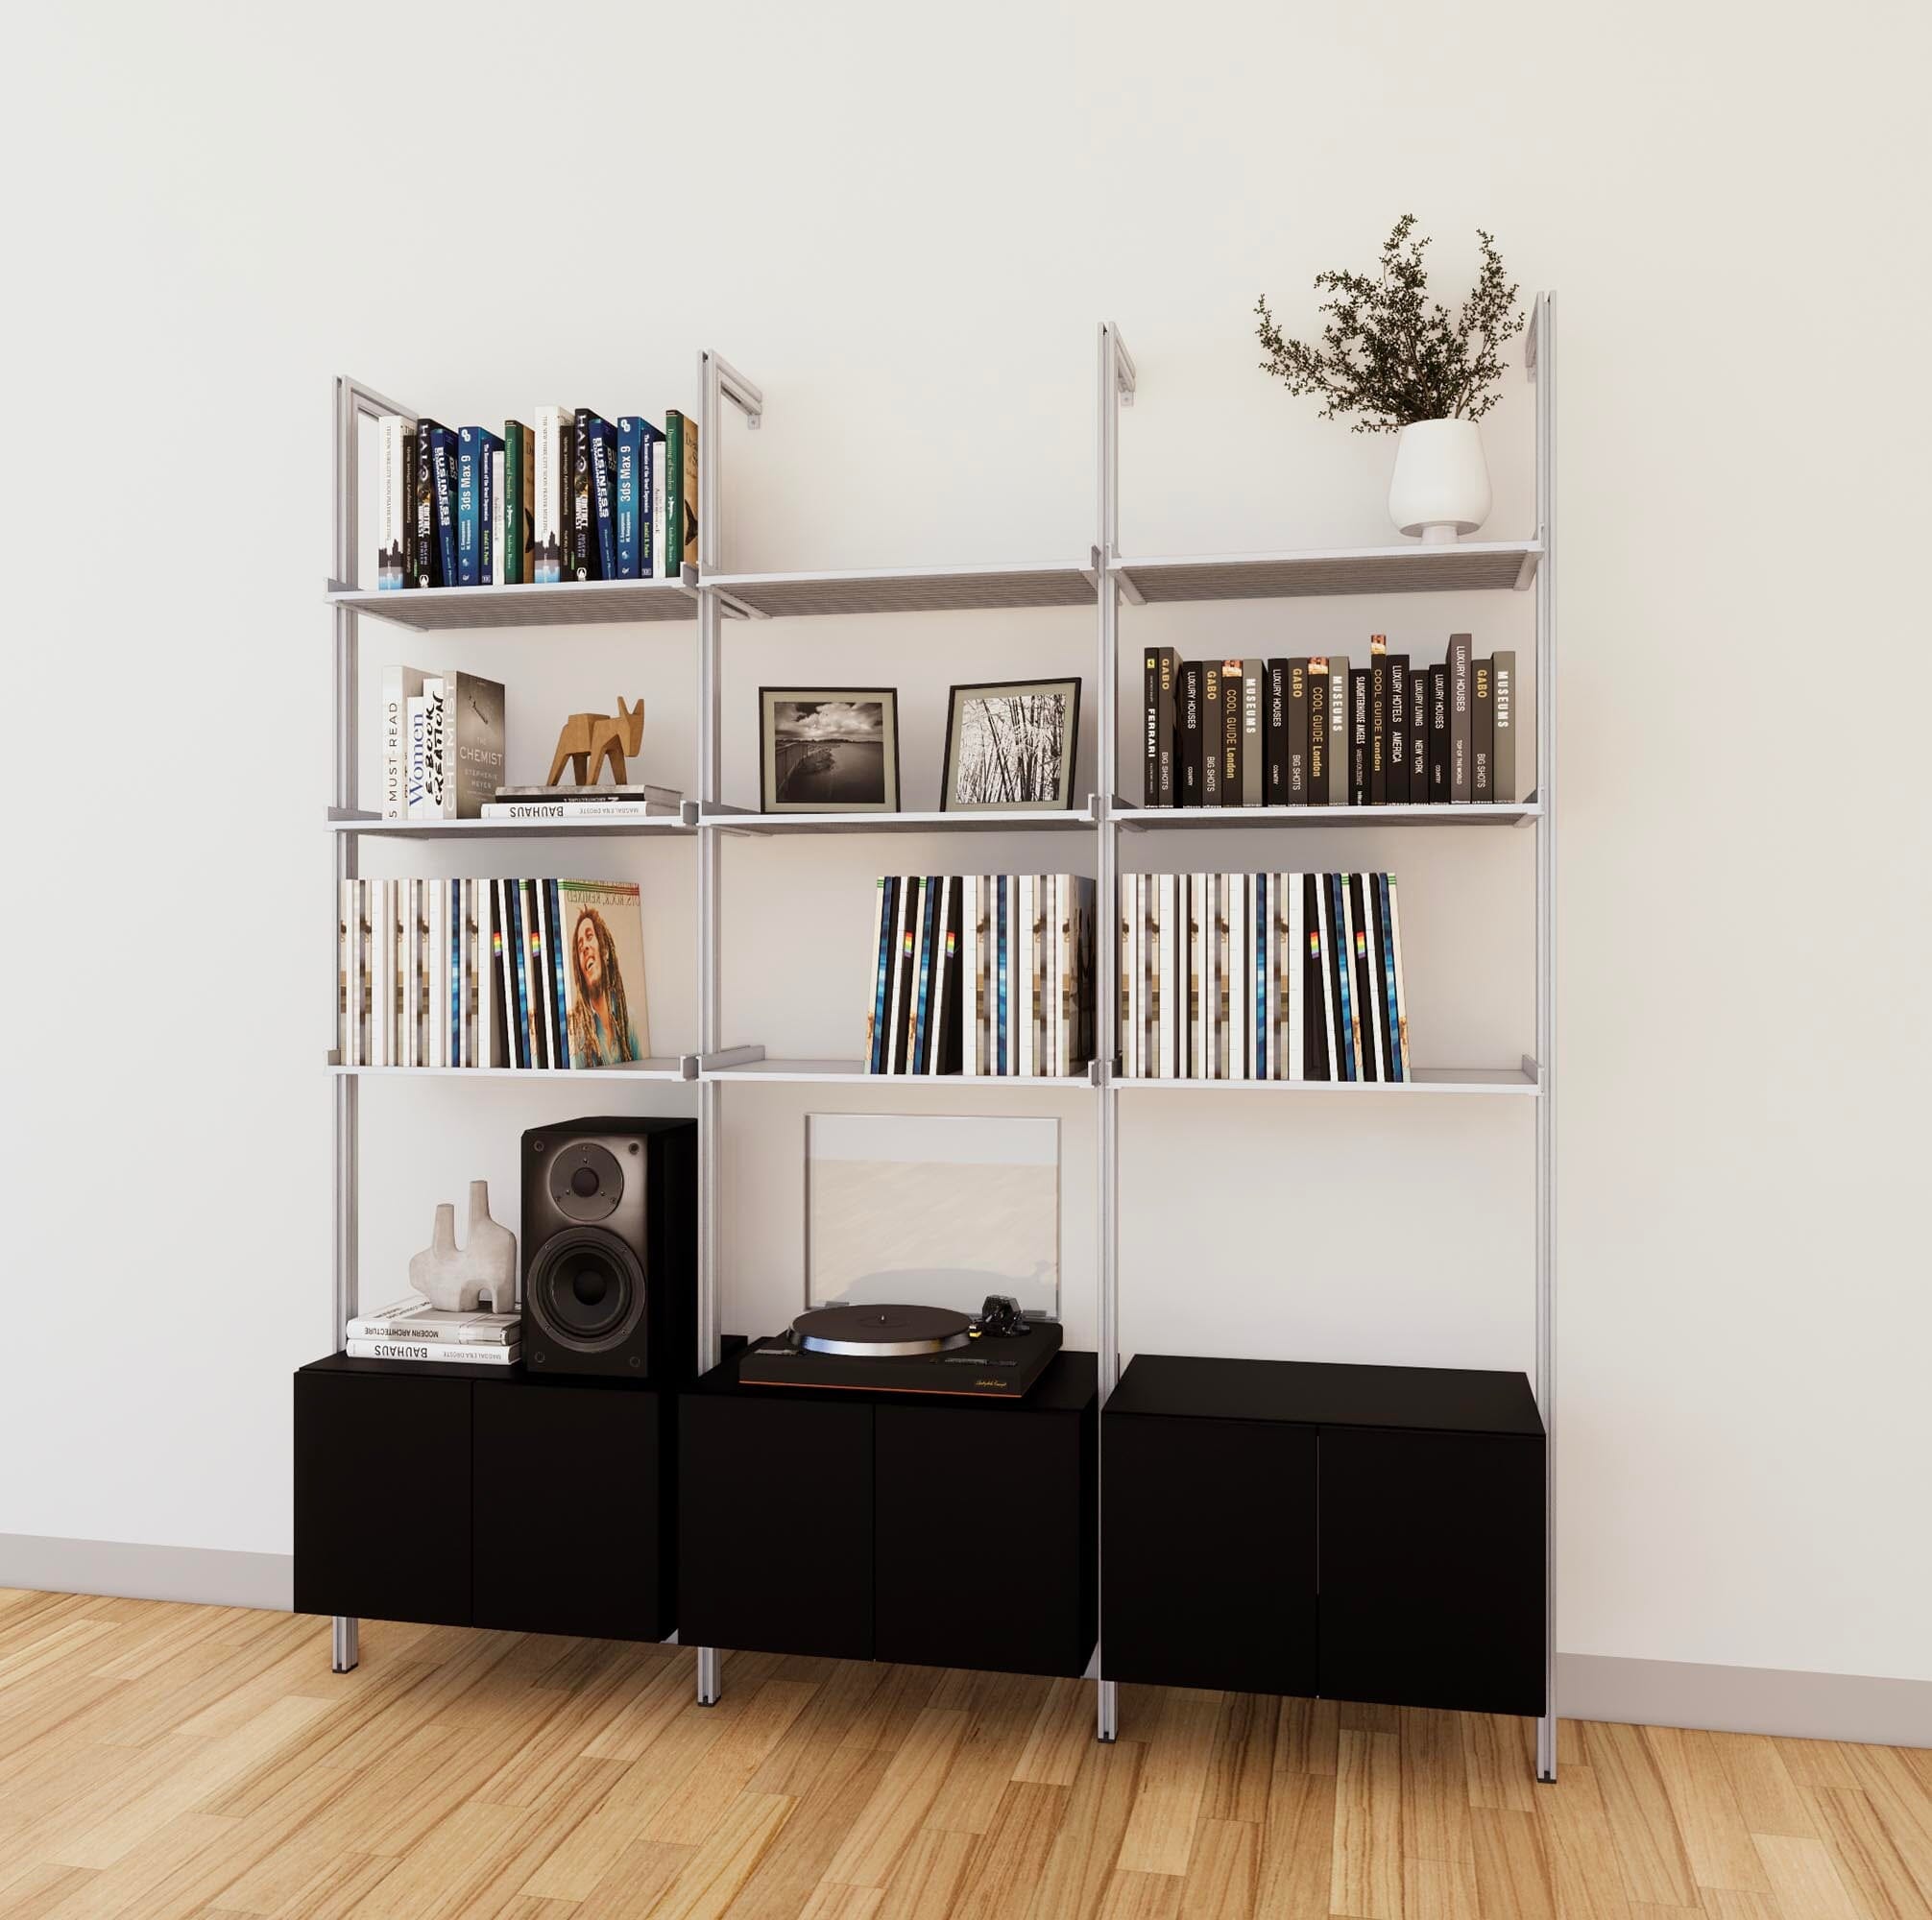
pixel 1440 487
pixel 457 1280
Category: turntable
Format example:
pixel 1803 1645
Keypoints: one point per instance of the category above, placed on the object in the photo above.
pixel 996 1354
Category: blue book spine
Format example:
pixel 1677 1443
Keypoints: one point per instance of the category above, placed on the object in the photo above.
pixel 604 496
pixel 483 447
pixel 469 501
pixel 1261 976
pixel 1000 1043
pixel 443 479
pixel 889 907
pixel 558 991
pixel 1381 882
pixel 519 1024
pixel 627 497
pixel 928 918
pixel 1344 967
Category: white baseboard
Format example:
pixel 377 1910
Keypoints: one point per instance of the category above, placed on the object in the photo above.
pixel 1745 1699
pixel 132 1571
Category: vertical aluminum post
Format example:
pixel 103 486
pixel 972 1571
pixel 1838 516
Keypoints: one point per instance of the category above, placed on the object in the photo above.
pixel 717 382
pixel 1542 358
pixel 1116 385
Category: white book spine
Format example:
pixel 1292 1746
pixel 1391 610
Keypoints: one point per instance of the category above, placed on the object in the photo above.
pixel 1030 967
pixel 1170 975
pixel 381 971
pixel 493 575
pixel 1194 1025
pixel 969 976
pixel 394 493
pixel 408 894
pixel 400 685
pixel 944 964
pixel 1009 888
pixel 348 1024
pixel 1270 974
pixel 1240 999
pixel 551 490
pixel 1137 1024
pixel 872 957
pixel 1401 992
pixel 663 566
pixel 442 972
pixel 1124 987
pixel 538 897
pixel 1210 977
pixel 1063 907
pixel 448 1352
pixel 1296 958
pixel 908 883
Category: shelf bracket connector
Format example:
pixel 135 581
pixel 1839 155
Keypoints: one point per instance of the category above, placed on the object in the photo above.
pixel 1533 1069
pixel 728 1057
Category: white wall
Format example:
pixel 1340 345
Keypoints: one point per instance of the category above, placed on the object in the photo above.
pixel 905 226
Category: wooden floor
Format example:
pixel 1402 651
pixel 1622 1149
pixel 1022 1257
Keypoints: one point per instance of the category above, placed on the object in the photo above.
pixel 161 1761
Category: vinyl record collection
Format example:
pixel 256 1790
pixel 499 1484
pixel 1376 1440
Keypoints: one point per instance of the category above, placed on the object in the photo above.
pixel 491 972
pixel 413 1330
pixel 981 974
pixel 1314 732
pixel 578 498
pixel 1261 977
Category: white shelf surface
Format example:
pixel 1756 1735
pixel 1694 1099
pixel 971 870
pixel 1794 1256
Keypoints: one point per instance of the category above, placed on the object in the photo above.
pixel 846 1072
pixel 504 829
pixel 911 590
pixel 1467 566
pixel 634 1069
pixel 1427 1080
pixel 564 603
pixel 1000 821
pixel 1523 813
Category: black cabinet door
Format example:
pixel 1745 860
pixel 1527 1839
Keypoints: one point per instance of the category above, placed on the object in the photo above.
pixel 775 1525
pixel 1432 1570
pixel 983 1539
pixel 383 1496
pixel 568 1511
pixel 1209 1541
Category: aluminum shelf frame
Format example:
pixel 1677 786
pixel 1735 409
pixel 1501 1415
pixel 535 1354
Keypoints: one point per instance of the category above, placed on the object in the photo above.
pixel 709 596
pixel 909 589
pixel 1468 566
pixel 562 603
pixel 669 1067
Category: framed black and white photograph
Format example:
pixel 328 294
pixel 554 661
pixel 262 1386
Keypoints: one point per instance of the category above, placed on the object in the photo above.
pixel 1010 744
pixel 828 749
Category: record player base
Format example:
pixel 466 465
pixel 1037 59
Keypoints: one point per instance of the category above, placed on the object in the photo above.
pixel 929 1531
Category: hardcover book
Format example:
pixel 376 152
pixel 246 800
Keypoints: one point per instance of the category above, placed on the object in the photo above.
pixel 1378 720
pixel 1189 717
pixel 552 491
pixel 604 496
pixel 1418 734
pixel 1231 778
pixel 401 684
pixel 1317 732
pixel 1295 731
pixel 592 432
pixel 1503 759
pixel 428 545
pixel 475 447
pixel 1211 733
pixel 1399 731
pixel 1439 736
pixel 443 483
pixel 681 491
pixel 601 926
pixel 1253 743
pixel 1358 737
pixel 1338 731
pixel 519 518
pixel 1317 998
pixel 1481 730
pixel 1460 718
pixel 395 500
pixel 638 445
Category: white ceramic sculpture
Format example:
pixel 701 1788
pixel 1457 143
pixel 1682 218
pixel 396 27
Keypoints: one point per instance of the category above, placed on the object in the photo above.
pixel 456 1280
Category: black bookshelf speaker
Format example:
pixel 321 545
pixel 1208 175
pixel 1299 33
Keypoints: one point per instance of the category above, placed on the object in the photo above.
pixel 610 1248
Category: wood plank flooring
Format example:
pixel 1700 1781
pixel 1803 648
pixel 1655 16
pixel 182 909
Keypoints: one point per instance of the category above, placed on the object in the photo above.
pixel 175 1763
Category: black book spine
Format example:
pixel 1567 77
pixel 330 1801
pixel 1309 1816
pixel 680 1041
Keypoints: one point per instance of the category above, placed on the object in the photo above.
pixel 583 514
pixel 1295 723
pixel 1314 1000
pixel 1317 732
pixel 1189 716
pixel 1361 980
pixel 1211 733
pixel 1151 714
pixel 410 574
pixel 1418 736
pixel 428 549
pixel 1274 732
pixel 1378 724
pixel 1167 726
pixel 1439 736
pixel 1459 719
pixel 1358 737
pixel 1481 730
pixel 1230 732
pixel 1398 730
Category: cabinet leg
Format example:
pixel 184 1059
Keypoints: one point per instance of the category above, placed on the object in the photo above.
pixel 1106 1711
pixel 711 1684
pixel 345 1647
pixel 1545 1749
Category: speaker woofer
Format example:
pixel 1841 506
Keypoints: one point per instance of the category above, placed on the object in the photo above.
pixel 586 1289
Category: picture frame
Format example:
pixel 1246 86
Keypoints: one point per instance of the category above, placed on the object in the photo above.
pixel 1011 746
pixel 828 749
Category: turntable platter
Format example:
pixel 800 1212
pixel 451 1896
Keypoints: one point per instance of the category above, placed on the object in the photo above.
pixel 878 1332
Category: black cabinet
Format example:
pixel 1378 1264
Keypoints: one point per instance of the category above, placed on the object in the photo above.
pixel 486 1499
pixel 1363 1533
pixel 948 1532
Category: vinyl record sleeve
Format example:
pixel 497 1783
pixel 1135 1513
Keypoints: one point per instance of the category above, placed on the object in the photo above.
pixel 603 930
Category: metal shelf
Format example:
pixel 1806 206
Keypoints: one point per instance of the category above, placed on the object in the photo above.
pixel 1427 1080
pixel 819 1072
pixel 506 830
pixel 908 590
pixel 1469 566
pixel 564 603
pixel 1523 813
pixel 1002 822
pixel 671 1068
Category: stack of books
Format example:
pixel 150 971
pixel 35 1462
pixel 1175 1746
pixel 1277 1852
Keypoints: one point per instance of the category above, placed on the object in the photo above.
pixel 981 974
pixel 491 972
pixel 441 744
pixel 1314 732
pixel 413 1330
pixel 578 498
pixel 1261 977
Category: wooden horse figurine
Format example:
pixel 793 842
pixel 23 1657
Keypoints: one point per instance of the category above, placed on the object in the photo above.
pixel 587 740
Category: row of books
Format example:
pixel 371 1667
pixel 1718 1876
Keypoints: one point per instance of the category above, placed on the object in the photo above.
pixel 442 744
pixel 1314 732
pixel 1261 977
pixel 491 972
pixel 981 974
pixel 576 497
pixel 412 1330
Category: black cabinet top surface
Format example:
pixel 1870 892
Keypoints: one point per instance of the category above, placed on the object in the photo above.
pixel 1310 1393
pixel 484 1374
pixel 1069 1384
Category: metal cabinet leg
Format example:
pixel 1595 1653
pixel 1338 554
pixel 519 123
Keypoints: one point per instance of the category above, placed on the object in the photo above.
pixel 1106 1711
pixel 345 1644
pixel 711 1683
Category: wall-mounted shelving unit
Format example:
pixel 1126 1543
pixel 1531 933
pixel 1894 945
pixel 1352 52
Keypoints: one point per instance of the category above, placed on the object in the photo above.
pixel 1097 582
